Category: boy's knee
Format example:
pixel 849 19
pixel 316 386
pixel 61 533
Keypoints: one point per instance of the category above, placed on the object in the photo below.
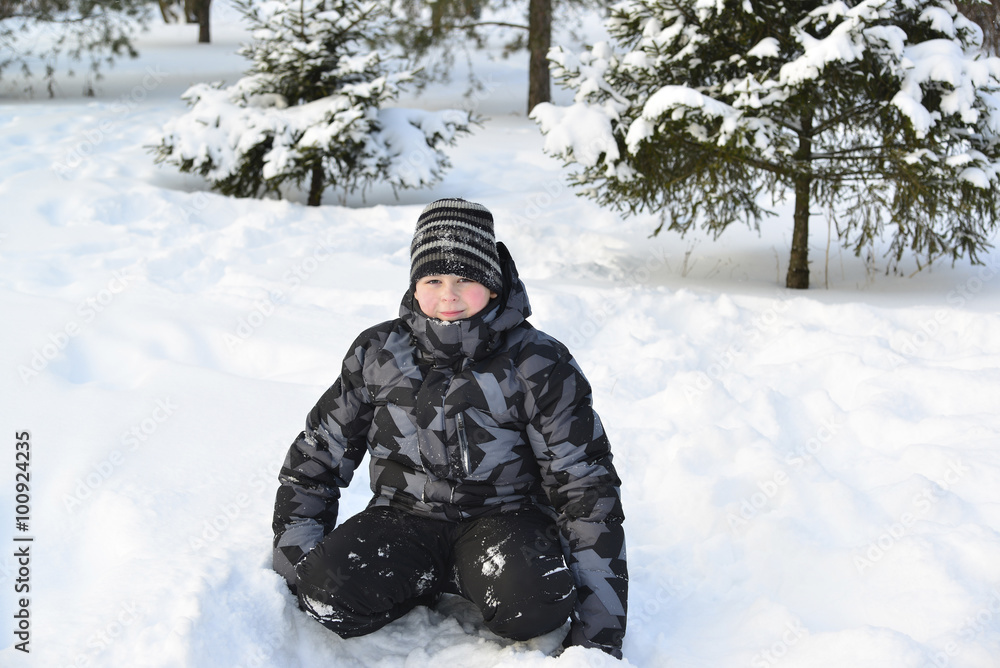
pixel 531 618
pixel 318 575
pixel 343 609
pixel 354 602
pixel 326 593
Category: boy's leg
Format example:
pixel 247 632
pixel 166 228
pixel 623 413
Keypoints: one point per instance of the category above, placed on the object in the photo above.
pixel 373 569
pixel 511 565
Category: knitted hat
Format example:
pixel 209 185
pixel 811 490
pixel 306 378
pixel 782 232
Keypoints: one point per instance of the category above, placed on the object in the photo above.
pixel 454 236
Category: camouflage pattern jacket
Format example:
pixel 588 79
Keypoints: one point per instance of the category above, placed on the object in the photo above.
pixel 480 415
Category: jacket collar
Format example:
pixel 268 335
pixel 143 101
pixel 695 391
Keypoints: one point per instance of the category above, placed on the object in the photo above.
pixel 444 343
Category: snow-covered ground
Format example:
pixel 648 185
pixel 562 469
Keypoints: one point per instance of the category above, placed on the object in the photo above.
pixel 810 478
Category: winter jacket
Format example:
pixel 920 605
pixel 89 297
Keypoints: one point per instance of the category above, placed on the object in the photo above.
pixel 463 418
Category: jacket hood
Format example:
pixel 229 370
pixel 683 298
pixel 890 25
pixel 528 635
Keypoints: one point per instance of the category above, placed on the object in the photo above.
pixel 446 343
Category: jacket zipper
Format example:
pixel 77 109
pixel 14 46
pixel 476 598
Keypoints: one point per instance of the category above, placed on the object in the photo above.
pixel 463 445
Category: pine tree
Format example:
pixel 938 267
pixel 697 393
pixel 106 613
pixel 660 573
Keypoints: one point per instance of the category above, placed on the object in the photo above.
pixel 311 109
pixel 452 25
pixel 56 33
pixel 883 114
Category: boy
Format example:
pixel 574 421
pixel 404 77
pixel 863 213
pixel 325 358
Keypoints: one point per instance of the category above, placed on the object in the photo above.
pixel 490 470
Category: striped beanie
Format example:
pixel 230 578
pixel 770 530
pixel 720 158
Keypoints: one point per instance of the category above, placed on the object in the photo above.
pixel 454 236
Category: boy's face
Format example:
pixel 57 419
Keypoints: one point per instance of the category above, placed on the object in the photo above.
pixel 449 297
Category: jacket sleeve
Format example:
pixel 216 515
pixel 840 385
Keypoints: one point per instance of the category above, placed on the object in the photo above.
pixel 583 486
pixel 321 461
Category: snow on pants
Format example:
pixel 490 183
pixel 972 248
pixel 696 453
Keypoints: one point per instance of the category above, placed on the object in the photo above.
pixel 381 563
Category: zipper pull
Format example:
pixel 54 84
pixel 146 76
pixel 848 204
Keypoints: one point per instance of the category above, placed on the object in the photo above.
pixel 463 444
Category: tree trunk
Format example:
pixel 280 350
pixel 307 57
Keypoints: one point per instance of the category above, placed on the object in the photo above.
pixel 166 11
pixel 204 31
pixel 316 185
pixel 987 16
pixel 539 41
pixel 798 265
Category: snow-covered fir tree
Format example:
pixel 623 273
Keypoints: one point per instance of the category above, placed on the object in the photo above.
pixel 42 36
pixel 883 114
pixel 311 109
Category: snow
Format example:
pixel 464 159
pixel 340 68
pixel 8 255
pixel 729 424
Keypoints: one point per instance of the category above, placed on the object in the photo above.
pixel 580 126
pixel 942 61
pixel 673 99
pixel 811 478
pixel 494 561
pixel 766 48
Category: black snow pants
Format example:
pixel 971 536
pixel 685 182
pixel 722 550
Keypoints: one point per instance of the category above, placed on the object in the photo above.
pixel 381 563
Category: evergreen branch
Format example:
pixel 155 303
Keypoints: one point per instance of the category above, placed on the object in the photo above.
pixel 847 153
pixel 840 119
pixel 445 27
